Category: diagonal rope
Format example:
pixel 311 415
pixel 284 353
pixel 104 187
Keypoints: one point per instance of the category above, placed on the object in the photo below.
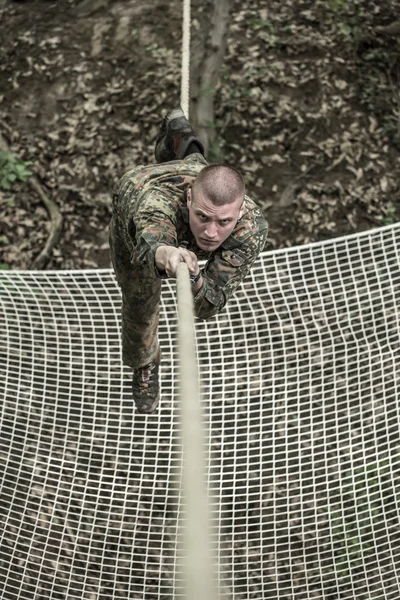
pixel 197 553
pixel 197 548
pixel 185 80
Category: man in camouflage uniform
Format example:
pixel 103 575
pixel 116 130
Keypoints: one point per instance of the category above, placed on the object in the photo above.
pixel 181 209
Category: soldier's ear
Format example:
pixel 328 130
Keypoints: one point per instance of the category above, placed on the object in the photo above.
pixel 189 198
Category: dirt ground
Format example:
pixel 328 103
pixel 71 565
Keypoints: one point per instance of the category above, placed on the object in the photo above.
pixel 308 108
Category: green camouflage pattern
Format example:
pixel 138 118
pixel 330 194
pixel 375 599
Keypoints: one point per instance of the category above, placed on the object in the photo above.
pixel 149 210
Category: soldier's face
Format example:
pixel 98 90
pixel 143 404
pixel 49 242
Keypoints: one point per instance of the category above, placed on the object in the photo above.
pixel 211 225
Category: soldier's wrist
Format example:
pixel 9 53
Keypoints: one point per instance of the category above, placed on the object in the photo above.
pixel 195 278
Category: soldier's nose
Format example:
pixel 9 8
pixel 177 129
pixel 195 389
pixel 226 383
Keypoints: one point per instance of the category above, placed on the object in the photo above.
pixel 211 232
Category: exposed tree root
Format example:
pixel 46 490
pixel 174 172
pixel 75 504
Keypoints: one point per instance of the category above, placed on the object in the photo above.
pixel 55 224
pixel 54 213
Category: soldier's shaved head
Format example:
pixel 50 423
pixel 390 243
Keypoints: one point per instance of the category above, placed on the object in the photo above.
pixel 219 183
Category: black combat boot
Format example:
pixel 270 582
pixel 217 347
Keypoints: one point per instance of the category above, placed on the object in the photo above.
pixel 146 386
pixel 176 136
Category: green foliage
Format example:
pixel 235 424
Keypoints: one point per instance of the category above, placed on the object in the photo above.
pixel 4 267
pixel 261 24
pixel 370 495
pixel 237 94
pixel 158 51
pixel 390 216
pixel 350 29
pixel 337 5
pixel 347 19
pixel 216 152
pixel 265 31
pixel 389 125
pixel 12 169
pixel 378 57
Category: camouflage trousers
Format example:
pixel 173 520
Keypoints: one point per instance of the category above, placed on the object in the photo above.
pixel 141 290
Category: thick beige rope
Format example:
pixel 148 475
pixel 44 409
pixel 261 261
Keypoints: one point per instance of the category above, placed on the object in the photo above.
pixel 185 77
pixel 197 559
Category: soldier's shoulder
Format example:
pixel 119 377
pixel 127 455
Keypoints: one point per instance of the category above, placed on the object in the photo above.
pixel 252 213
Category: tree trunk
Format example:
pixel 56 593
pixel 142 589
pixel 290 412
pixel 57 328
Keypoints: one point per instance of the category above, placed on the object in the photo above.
pixel 210 26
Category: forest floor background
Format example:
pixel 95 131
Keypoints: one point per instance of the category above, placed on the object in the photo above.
pixel 308 108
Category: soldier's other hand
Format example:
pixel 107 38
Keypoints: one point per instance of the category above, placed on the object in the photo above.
pixel 169 257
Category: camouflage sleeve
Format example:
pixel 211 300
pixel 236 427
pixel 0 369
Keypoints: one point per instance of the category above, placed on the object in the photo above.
pixel 155 225
pixel 224 273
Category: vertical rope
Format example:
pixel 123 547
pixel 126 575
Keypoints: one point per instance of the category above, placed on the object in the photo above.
pixel 197 543
pixel 197 548
pixel 185 78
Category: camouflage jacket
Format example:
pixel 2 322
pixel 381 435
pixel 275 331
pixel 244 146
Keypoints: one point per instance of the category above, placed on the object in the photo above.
pixel 149 210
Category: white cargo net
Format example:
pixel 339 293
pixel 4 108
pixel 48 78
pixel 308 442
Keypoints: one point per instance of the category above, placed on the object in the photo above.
pixel 300 378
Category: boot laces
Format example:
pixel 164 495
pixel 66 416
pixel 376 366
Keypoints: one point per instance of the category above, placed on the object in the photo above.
pixel 146 372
